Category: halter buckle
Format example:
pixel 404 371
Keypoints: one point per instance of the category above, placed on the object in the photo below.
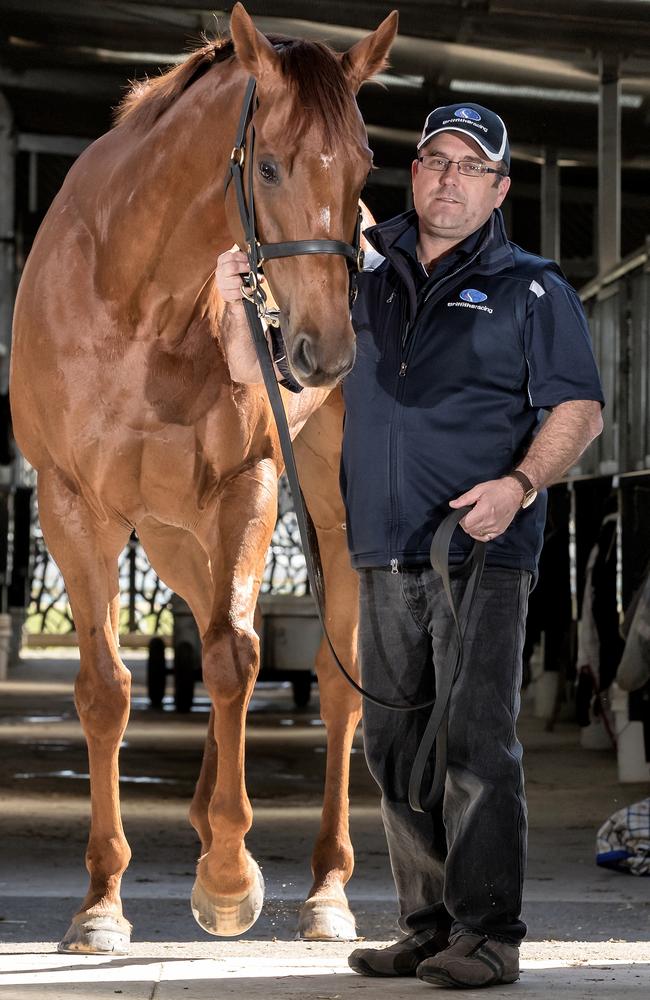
pixel 237 155
pixel 360 259
pixel 258 256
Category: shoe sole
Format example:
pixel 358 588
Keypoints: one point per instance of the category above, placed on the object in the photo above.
pixel 362 967
pixel 441 977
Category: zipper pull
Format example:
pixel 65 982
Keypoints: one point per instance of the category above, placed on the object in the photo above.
pixel 390 297
pixel 402 368
pixel 393 566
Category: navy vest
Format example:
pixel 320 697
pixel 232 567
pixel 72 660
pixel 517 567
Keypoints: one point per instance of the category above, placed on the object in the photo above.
pixel 448 390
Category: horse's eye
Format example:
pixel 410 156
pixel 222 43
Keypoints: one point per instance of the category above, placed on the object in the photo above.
pixel 268 172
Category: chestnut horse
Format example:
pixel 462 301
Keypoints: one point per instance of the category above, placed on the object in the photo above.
pixel 123 402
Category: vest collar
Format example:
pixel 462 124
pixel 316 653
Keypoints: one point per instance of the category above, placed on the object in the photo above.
pixel 495 253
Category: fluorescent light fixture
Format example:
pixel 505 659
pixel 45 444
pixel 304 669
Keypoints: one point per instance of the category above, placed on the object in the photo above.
pixel 108 55
pixel 405 81
pixel 539 93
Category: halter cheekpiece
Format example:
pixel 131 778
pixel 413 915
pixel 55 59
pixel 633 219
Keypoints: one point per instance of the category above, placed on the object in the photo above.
pixel 258 252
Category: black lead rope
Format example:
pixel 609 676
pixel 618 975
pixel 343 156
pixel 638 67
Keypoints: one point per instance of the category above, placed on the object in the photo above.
pixel 437 726
pixel 436 729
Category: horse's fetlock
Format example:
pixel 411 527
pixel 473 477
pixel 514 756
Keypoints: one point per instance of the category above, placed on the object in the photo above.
pixel 228 826
pixel 107 858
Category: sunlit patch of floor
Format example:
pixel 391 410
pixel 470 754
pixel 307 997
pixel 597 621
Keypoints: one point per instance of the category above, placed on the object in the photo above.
pixel 313 971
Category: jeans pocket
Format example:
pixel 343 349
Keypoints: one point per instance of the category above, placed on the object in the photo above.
pixel 413 594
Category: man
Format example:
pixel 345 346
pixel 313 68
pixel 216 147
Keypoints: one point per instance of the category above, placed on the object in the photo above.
pixel 463 340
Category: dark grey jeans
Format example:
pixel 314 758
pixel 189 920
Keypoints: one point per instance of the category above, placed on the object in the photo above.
pixel 462 866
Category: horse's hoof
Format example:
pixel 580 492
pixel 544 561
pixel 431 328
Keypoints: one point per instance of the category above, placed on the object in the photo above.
pixel 97 934
pixel 228 916
pixel 326 920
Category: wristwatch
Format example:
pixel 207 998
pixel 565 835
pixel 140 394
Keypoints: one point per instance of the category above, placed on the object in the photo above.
pixel 530 493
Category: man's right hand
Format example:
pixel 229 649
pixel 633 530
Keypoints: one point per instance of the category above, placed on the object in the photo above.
pixel 231 267
pixel 234 334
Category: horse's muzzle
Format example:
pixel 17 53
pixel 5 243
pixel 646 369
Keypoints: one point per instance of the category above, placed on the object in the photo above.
pixel 314 371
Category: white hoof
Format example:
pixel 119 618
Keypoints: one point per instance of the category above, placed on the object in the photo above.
pixel 228 916
pixel 97 934
pixel 326 920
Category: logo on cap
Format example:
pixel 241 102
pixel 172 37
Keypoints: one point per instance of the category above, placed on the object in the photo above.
pixel 468 113
pixel 472 295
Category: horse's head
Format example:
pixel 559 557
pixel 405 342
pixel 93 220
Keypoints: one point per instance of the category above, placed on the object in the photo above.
pixel 311 160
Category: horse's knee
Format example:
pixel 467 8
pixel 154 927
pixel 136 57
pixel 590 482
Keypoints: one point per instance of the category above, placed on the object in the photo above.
pixel 230 661
pixel 103 700
pixel 340 704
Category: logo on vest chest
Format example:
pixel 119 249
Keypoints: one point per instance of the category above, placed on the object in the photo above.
pixel 471 298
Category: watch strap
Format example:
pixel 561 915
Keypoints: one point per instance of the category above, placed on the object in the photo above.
pixel 529 491
pixel 523 481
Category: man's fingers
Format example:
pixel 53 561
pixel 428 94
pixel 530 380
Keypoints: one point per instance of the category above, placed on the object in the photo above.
pixel 472 496
pixel 232 264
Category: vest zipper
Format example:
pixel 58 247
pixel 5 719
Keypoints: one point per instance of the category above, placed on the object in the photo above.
pixel 448 277
pixel 392 435
pixel 407 342
pixel 394 567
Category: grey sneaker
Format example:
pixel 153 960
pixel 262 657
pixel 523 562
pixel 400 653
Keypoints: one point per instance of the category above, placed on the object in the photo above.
pixel 472 960
pixel 401 958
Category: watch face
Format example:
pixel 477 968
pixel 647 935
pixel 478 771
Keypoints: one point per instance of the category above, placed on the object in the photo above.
pixel 529 497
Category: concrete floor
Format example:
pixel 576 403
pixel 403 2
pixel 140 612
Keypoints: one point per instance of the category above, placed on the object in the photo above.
pixel 589 929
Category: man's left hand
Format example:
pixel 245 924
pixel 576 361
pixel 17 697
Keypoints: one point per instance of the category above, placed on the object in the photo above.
pixel 496 503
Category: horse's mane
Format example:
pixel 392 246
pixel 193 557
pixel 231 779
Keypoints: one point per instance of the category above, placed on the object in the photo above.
pixel 312 69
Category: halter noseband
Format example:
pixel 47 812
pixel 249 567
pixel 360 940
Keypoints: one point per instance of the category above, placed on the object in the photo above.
pixel 258 252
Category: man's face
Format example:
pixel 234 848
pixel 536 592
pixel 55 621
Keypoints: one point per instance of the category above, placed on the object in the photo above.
pixel 451 205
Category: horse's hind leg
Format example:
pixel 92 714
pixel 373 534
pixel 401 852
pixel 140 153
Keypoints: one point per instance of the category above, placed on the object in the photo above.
pixel 326 915
pixel 229 891
pixel 87 555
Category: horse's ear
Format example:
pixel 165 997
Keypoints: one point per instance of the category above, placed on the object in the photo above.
pixel 369 56
pixel 253 49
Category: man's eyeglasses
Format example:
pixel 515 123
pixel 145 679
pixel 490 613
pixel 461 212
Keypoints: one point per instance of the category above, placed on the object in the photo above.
pixel 470 168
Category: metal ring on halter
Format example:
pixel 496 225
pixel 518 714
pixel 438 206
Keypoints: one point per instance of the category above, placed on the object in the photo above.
pixel 250 285
pixel 237 155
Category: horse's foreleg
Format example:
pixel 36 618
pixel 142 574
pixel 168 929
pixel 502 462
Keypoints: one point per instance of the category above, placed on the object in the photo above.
pixel 87 557
pixel 326 915
pixel 229 890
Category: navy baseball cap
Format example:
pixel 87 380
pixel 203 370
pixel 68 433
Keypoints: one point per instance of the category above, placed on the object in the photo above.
pixel 483 126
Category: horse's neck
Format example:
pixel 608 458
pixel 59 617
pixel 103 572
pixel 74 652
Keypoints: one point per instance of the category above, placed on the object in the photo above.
pixel 161 215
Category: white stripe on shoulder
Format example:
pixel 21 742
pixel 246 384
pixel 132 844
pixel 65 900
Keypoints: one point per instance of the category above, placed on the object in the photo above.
pixel 537 289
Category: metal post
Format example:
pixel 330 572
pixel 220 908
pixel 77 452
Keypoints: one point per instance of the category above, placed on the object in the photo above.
pixel 609 164
pixel 550 227
pixel 7 258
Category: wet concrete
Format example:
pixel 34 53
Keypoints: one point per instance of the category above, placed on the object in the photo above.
pixel 576 912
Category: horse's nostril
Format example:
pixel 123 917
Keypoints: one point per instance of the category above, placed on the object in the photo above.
pixel 302 357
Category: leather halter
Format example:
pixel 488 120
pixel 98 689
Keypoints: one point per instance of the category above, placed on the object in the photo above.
pixel 243 157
